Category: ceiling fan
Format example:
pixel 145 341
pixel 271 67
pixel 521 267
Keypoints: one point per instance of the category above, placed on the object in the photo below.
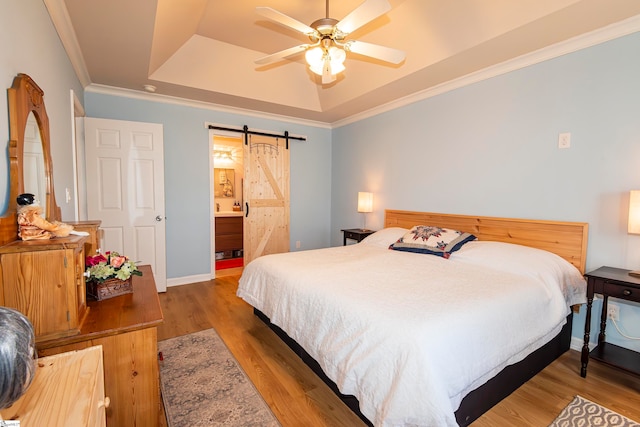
pixel 327 51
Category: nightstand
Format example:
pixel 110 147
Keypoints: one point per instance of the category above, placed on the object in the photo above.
pixel 356 234
pixel 609 282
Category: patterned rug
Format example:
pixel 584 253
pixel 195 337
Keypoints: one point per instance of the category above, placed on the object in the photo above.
pixel 583 412
pixel 203 385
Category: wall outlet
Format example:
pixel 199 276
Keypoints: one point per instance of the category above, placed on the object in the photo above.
pixel 297 244
pixel 564 140
pixel 613 311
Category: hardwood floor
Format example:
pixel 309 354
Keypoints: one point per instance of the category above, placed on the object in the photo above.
pixel 298 398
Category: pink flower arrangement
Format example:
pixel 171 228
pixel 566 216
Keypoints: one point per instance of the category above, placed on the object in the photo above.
pixel 109 266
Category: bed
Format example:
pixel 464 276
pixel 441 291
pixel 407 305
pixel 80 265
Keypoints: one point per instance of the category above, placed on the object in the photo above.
pixel 410 338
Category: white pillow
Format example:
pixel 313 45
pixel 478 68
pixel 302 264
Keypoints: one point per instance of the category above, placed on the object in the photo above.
pixel 531 262
pixel 384 237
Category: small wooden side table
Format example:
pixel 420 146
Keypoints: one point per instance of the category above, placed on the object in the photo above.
pixel 356 234
pixel 614 282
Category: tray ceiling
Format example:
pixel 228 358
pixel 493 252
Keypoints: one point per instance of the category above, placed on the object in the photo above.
pixel 204 50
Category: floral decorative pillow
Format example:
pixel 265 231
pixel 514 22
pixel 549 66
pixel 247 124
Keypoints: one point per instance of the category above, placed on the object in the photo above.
pixel 427 239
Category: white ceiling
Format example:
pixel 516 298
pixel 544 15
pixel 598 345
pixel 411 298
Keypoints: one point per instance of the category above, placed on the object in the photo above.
pixel 204 50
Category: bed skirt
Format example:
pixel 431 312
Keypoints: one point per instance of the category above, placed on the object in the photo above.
pixel 475 403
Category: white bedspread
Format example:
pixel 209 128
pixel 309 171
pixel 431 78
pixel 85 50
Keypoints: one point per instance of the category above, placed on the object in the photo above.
pixel 411 334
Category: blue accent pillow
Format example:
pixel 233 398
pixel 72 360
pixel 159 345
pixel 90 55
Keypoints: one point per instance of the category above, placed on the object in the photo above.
pixel 426 239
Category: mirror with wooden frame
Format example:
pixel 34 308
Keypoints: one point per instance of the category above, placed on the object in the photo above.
pixel 30 166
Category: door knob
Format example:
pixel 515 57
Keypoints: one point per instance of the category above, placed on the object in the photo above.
pixel 159 218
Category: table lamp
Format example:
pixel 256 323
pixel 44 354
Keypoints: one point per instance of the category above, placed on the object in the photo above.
pixel 634 219
pixel 365 205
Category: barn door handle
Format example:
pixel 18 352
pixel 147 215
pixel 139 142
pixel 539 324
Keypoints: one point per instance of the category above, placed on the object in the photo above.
pixel 246 210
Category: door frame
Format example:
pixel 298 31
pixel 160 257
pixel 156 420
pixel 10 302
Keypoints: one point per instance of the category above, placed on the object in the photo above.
pixel 213 133
pixel 77 149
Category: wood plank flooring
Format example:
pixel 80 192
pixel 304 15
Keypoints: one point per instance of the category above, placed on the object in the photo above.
pixel 298 398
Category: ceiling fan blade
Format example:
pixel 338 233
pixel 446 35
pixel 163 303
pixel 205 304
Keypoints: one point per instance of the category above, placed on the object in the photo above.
pixel 285 20
pixel 363 14
pixel 281 55
pixel 382 53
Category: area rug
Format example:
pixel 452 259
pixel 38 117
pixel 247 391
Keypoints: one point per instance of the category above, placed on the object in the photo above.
pixel 583 412
pixel 203 385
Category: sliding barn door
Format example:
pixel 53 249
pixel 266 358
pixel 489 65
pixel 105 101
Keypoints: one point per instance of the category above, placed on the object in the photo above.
pixel 266 190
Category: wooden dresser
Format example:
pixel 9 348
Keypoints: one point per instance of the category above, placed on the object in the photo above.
pixel 92 245
pixel 67 390
pixel 44 279
pixel 126 328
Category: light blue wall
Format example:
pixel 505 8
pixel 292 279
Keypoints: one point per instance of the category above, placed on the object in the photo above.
pixel 30 45
pixel 491 148
pixel 186 154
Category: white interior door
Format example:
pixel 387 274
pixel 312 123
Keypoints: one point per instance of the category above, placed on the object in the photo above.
pixel 125 189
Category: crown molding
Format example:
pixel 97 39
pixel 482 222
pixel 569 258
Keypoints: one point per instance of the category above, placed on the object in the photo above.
pixel 610 32
pixel 156 97
pixel 62 23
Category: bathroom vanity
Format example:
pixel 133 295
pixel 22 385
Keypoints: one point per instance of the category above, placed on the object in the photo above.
pixel 229 229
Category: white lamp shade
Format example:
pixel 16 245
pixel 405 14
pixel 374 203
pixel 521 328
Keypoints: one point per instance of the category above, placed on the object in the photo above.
pixel 634 212
pixel 365 201
pixel 317 59
pixel 337 57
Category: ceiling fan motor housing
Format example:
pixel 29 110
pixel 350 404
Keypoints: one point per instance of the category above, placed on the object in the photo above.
pixel 326 27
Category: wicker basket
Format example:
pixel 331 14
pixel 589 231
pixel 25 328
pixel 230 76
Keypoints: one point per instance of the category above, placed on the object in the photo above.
pixel 108 289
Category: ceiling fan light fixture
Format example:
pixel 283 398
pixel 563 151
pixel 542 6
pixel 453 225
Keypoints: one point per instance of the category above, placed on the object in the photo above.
pixel 317 69
pixel 327 53
pixel 314 57
pixel 337 56
pixel 317 58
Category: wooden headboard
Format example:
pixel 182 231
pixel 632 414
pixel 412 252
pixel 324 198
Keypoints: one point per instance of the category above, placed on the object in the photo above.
pixel 566 239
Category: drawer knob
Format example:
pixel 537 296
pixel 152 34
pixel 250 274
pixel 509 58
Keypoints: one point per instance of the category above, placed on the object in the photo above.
pixel 104 403
pixel 626 292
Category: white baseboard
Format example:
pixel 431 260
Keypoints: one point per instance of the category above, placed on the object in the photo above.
pixel 577 343
pixel 189 279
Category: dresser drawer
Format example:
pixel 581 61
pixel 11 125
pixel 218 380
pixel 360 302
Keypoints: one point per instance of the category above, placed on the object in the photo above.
pixel 230 225
pixel 622 290
pixel 228 242
pixel 351 235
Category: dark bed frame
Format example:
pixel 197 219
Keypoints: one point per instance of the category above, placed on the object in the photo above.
pixel 566 239
pixel 475 403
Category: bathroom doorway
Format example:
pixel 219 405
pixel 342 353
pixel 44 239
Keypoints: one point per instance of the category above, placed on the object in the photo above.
pixel 227 201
